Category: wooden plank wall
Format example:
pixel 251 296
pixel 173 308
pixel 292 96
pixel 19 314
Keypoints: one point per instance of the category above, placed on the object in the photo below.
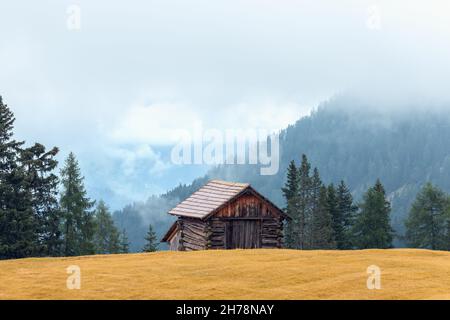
pixel 272 233
pixel 247 205
pixel 193 234
pixel 257 220
pixel 217 234
pixel 221 233
pixel 174 244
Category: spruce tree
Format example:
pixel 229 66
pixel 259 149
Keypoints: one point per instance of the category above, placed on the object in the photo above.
pixel 303 205
pixel 336 218
pixel 314 207
pixel 18 225
pixel 151 244
pixel 372 226
pixel 290 193
pixel 302 194
pixel 42 185
pixel 347 211
pixel 428 222
pixel 124 243
pixel 106 236
pixel 322 229
pixel 291 186
pixel 78 222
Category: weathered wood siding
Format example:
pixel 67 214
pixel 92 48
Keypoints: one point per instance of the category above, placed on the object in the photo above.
pixel 243 234
pixel 174 244
pixel 229 233
pixel 193 234
pixel 247 222
pixel 272 233
pixel 216 234
pixel 247 205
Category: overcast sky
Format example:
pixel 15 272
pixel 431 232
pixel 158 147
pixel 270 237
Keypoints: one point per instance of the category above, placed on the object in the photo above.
pixel 137 70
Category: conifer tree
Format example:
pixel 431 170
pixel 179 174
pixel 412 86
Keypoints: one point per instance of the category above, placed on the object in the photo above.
pixel 124 243
pixel 302 194
pixel 336 218
pixel 428 222
pixel 291 186
pixel 322 229
pixel 290 192
pixel 347 211
pixel 314 206
pixel 78 222
pixel 106 237
pixel 151 241
pixel 303 205
pixel 372 227
pixel 42 186
pixel 18 226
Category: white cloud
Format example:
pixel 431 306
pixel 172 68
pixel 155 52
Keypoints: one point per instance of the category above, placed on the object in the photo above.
pixel 265 61
pixel 135 157
pixel 155 124
pixel 265 114
pixel 166 123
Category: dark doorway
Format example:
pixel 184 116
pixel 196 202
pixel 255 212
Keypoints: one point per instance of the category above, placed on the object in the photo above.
pixel 243 234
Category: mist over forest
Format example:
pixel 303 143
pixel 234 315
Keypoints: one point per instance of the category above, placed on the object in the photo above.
pixel 346 139
pixel 117 88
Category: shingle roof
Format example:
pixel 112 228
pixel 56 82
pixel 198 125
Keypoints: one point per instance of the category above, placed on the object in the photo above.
pixel 208 199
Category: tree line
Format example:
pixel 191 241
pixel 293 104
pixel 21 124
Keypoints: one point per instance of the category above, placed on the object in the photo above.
pixel 326 217
pixel 42 214
pixel 428 223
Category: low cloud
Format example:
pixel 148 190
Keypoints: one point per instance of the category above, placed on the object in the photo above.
pixel 135 75
pixel 167 123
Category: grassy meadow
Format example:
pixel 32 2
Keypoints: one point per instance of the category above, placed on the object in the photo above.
pixel 236 274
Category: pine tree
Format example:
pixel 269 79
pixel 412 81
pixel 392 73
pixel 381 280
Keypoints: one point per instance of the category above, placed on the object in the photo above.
pixel 106 236
pixel 151 241
pixel 347 211
pixel 428 222
pixel 290 192
pixel 124 243
pixel 372 227
pixel 78 222
pixel 322 229
pixel 18 226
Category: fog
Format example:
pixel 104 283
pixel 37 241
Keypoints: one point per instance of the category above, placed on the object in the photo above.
pixel 136 71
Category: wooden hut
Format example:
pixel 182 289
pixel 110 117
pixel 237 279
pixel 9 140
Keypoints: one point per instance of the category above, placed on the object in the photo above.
pixel 225 215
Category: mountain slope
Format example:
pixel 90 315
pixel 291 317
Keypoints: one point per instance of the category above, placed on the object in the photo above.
pixel 354 141
pixel 358 144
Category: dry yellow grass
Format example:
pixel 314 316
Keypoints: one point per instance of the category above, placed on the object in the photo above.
pixel 241 274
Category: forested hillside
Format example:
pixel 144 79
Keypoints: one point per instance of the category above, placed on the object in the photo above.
pixel 136 217
pixel 348 140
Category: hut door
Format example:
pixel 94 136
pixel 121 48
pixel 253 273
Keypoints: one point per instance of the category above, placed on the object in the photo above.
pixel 243 234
